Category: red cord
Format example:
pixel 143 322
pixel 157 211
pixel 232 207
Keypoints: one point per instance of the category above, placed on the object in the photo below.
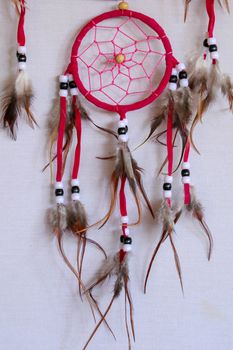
pixel 78 126
pixel 21 34
pixel 61 131
pixel 170 143
pixel 187 196
pixel 211 13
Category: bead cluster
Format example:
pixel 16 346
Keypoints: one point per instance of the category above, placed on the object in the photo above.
pixel 125 239
pixel 59 192
pixel 210 45
pixel 167 187
pixel 21 57
pixel 63 85
pixel 123 130
pixel 185 172
pixel 178 73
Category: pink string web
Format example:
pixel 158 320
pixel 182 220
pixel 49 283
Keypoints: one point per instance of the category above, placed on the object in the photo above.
pixel 137 76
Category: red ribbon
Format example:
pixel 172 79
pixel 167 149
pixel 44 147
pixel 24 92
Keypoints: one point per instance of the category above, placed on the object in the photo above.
pixel 21 34
pixel 211 14
pixel 61 131
pixel 187 196
pixel 78 126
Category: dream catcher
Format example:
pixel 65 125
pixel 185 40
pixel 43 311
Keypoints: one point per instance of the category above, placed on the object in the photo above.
pixel 18 96
pixel 121 61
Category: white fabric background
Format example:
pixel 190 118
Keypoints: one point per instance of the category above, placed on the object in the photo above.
pixel 39 305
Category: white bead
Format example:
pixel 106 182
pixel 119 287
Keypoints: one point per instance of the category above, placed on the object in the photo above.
pixel 172 86
pixel 123 138
pixel 214 55
pixel 185 165
pixel 167 194
pixel 63 79
pixel 124 219
pixel 180 67
pixel 63 93
pixel 168 179
pixel 70 77
pixel 75 182
pixel 186 179
pixel 59 199
pixel 127 232
pixel 22 65
pixel 212 41
pixel 174 71
pixel 121 124
pixel 126 121
pixel 58 185
pixel 184 82
pixel 127 248
pixel 22 50
pixel 74 91
pixel 75 196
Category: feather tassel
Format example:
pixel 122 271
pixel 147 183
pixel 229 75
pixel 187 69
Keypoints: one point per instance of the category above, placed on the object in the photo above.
pixel 16 100
pixel 126 166
pixel 117 268
pixel 167 232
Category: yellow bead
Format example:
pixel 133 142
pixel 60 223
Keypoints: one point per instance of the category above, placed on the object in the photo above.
pixel 120 58
pixel 123 5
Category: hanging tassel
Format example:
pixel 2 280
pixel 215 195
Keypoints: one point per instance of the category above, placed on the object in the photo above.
pixel 77 217
pixel 166 212
pixel 18 98
pixel 126 166
pixel 191 204
pixel 53 126
pixel 115 267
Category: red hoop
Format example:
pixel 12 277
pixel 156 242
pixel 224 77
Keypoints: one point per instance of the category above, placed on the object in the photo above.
pixel 170 61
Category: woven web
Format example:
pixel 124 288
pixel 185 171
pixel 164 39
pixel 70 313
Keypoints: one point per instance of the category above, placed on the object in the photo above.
pixel 137 76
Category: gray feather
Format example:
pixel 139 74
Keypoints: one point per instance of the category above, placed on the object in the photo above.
pixel 57 218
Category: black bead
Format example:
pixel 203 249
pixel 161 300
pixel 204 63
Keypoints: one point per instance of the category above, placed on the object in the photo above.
pixel 122 131
pixel 22 58
pixel 72 84
pixel 126 128
pixel 75 189
pixel 173 79
pixel 185 172
pixel 213 48
pixel 63 86
pixel 122 239
pixel 183 74
pixel 167 186
pixel 59 192
pixel 205 43
pixel 128 240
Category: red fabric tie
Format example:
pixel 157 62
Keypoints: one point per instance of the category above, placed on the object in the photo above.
pixel 21 34
pixel 61 131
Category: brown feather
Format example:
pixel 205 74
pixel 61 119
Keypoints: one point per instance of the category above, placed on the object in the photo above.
pixel 196 209
pixel 186 7
pixel 11 110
